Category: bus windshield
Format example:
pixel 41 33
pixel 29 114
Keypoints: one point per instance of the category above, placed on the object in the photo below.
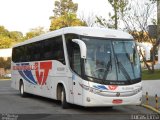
pixel 111 60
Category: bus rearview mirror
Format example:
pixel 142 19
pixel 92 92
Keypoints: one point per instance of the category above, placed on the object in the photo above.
pixel 82 46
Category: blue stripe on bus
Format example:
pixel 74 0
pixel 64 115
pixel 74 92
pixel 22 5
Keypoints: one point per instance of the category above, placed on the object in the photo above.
pixel 29 75
pixel 24 77
pixel 102 87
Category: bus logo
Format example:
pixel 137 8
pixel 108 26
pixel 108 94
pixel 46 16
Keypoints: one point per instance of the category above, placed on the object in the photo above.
pixel 112 87
pixel 42 71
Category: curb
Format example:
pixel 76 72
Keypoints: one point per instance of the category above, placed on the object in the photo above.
pixel 151 108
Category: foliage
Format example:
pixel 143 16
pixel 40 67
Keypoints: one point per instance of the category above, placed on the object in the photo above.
pixel 105 23
pixel 34 32
pixel 63 7
pixel 7 38
pixel 142 36
pixel 119 8
pixel 66 21
pixel 3 31
pixel 65 15
pixel 16 36
pixel 6 64
pixel 5 42
pixel 89 20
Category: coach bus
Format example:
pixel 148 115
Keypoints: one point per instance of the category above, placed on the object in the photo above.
pixel 86 66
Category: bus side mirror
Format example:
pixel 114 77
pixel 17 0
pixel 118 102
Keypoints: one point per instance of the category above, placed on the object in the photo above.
pixel 82 46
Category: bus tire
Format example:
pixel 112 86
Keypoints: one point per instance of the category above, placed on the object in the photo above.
pixel 21 89
pixel 64 103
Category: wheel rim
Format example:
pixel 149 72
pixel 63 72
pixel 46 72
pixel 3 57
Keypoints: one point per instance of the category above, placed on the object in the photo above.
pixel 22 90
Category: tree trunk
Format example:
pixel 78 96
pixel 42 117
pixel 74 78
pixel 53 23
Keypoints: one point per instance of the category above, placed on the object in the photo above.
pixel 153 57
pixel 115 13
pixel 153 53
pixel 145 62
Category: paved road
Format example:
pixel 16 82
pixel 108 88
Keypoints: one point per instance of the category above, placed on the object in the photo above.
pixel 34 107
pixel 152 87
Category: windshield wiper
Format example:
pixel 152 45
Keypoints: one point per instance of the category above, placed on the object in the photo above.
pixel 131 63
pixel 108 66
pixel 120 67
pixel 90 78
pixel 125 73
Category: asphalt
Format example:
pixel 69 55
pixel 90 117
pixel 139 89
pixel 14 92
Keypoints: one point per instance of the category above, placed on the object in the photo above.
pixel 14 107
pixel 152 87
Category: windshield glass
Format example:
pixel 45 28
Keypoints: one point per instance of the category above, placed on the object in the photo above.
pixel 111 59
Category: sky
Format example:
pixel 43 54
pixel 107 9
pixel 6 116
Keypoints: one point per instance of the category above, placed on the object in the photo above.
pixel 23 15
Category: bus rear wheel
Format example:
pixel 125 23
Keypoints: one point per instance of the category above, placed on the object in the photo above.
pixel 21 89
pixel 64 103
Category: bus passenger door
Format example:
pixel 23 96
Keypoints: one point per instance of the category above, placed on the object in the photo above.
pixel 70 86
pixel 75 64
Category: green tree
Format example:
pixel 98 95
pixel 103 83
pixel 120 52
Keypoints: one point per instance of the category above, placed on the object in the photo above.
pixel 66 21
pixel 3 31
pixel 64 6
pixel 65 15
pixel 5 42
pixel 89 20
pixel 34 32
pixel 7 38
pixel 119 9
pixel 16 36
pixel 105 23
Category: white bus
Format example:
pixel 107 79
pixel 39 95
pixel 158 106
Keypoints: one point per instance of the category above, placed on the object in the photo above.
pixel 79 65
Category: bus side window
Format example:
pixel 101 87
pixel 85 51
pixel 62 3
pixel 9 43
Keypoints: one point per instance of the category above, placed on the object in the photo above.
pixel 15 55
pixel 73 53
pixel 30 52
pixel 76 58
pixel 21 54
pixel 52 49
pixel 47 49
pixel 59 50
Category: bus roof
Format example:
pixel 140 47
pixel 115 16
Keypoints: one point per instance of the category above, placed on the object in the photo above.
pixel 86 31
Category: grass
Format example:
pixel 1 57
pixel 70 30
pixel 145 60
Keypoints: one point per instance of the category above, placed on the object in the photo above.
pixel 150 76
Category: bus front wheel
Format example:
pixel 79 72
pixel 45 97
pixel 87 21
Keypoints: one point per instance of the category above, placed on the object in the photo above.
pixel 64 103
pixel 21 88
